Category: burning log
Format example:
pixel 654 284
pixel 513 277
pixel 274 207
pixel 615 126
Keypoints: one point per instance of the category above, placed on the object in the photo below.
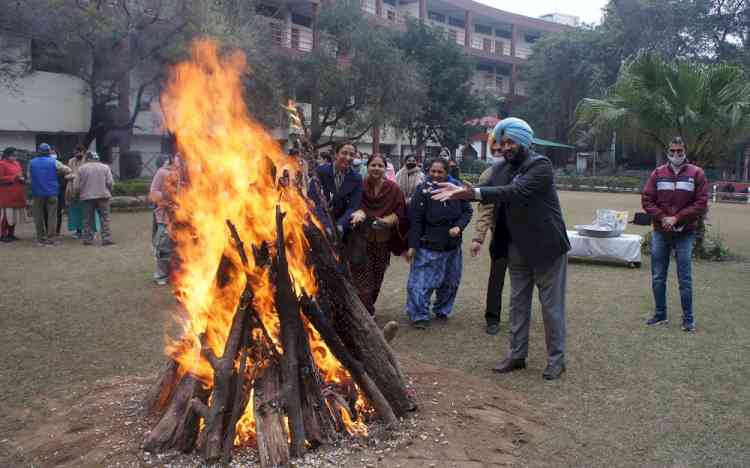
pixel 178 427
pixel 339 300
pixel 273 448
pixel 315 315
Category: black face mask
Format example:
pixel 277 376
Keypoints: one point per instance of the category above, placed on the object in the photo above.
pixel 455 171
pixel 411 165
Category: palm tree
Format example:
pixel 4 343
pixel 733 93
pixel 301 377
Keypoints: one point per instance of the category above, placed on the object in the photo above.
pixel 707 104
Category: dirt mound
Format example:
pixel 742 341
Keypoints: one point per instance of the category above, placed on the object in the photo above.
pixel 463 421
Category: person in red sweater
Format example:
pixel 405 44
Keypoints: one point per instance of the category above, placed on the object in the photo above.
pixel 675 196
pixel 12 195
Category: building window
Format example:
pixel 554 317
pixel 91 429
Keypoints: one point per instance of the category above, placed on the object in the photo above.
pixel 267 11
pixel 277 35
pixel 499 48
pixel 295 38
pixel 507 34
pixel 459 23
pixel 478 28
pixel 391 15
pixel 436 17
pixel 48 57
pixel 301 20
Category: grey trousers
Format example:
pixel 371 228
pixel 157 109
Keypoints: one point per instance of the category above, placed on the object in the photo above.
pixel 163 250
pixel 101 206
pixel 551 281
pixel 43 209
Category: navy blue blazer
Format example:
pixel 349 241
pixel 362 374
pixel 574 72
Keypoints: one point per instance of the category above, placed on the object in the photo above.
pixel 342 202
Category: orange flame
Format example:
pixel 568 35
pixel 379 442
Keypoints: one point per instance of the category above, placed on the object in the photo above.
pixel 227 164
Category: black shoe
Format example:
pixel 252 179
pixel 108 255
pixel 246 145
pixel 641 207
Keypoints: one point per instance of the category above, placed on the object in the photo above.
pixel 656 321
pixel 553 371
pixel 107 242
pixel 5 239
pixel 509 365
pixel 421 324
pixel 441 317
pixel 12 238
pixel 493 328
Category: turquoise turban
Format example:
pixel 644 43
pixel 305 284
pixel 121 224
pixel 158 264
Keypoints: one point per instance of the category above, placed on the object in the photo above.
pixel 515 129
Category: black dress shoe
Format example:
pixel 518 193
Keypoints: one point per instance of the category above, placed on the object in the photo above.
pixel 553 371
pixel 509 365
pixel 493 328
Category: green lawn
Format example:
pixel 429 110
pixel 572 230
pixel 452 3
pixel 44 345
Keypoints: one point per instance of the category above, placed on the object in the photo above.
pixel 632 396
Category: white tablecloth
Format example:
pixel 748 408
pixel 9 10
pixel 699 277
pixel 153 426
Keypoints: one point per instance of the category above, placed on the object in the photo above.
pixel 626 247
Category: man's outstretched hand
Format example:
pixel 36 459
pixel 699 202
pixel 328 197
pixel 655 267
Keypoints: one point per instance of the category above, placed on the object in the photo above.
pixel 447 191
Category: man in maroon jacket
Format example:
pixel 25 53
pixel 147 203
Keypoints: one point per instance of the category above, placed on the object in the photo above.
pixel 675 196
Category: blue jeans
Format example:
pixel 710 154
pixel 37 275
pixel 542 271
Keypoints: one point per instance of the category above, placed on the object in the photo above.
pixel 661 246
pixel 433 271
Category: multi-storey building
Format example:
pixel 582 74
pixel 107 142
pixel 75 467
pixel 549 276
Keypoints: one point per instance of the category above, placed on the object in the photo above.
pixel 49 105
pixel 499 41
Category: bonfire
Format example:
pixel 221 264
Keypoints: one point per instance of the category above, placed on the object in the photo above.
pixel 276 350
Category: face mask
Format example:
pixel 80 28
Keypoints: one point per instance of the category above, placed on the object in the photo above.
pixel 676 160
pixel 411 165
pixel 53 155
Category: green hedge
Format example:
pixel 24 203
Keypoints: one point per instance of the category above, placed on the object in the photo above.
pixel 609 181
pixel 131 188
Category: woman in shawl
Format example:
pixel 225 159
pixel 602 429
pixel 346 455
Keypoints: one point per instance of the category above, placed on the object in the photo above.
pixel 383 214
pixel 12 195
pixel 75 206
pixel 409 176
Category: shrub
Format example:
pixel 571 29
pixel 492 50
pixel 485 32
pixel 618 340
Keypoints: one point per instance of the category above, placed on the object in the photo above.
pixel 631 182
pixel 131 188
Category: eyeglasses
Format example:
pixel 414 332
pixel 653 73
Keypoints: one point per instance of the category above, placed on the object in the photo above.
pixel 676 151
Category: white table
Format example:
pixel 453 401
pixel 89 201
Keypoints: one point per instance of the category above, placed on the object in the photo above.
pixel 623 248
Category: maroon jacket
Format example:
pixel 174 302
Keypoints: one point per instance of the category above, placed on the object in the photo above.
pixel 684 195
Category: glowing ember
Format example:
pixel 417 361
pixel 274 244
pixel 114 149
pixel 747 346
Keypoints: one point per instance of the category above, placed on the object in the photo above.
pixel 228 164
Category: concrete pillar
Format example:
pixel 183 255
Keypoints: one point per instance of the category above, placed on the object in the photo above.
pixel 423 10
pixel 315 26
pixel 286 32
pixel 468 29
pixel 379 8
pixel 513 39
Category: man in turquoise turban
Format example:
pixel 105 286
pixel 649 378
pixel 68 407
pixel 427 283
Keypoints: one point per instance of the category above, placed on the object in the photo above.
pixel 530 234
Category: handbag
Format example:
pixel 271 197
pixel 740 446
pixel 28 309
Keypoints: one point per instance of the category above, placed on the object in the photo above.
pixel 641 219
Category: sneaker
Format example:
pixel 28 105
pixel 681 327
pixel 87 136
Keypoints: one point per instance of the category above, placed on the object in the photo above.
pixel 509 365
pixel 688 326
pixel 656 320
pixel 5 239
pixel 421 324
pixel 493 328
pixel 87 242
pixel 107 242
pixel 441 317
pixel 553 371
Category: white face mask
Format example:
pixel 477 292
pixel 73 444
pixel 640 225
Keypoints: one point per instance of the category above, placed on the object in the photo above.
pixel 676 160
pixel 53 155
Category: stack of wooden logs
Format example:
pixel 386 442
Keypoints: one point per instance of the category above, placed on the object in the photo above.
pixel 192 416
